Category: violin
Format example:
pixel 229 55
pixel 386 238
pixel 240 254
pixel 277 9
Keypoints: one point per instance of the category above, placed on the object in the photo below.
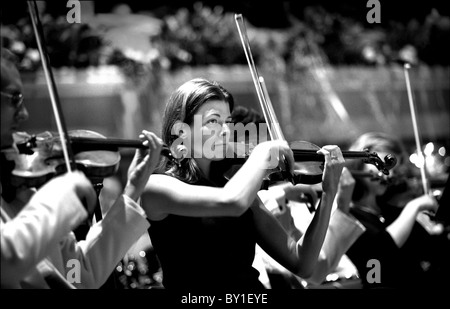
pixel 40 156
pixel 308 171
pixel 309 163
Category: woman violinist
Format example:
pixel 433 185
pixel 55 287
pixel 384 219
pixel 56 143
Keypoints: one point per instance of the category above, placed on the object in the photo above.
pixel 384 240
pixel 204 232
pixel 39 249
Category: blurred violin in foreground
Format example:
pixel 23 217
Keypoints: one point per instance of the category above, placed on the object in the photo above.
pixel 40 156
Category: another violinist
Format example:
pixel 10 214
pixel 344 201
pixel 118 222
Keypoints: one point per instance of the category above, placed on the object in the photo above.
pixel 379 253
pixel 204 231
pixel 39 249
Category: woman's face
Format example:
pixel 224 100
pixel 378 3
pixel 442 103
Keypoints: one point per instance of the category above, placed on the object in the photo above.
pixel 209 131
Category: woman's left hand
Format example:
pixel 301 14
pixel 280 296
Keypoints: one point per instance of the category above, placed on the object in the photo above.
pixel 334 163
pixel 143 165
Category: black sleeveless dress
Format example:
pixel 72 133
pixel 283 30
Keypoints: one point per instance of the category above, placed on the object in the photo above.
pixel 213 253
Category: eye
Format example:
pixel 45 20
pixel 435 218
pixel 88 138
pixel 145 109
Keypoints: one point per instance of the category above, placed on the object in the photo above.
pixel 212 121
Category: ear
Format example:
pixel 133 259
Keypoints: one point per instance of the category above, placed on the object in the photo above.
pixel 177 147
pixel 179 152
pixel 182 134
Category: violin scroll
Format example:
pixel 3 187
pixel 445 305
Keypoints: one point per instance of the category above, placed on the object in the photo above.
pixel 390 161
pixel 383 166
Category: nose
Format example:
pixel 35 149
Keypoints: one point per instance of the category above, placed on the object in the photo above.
pixel 225 130
pixel 21 114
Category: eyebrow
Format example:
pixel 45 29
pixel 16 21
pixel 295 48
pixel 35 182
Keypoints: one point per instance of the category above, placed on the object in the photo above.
pixel 213 113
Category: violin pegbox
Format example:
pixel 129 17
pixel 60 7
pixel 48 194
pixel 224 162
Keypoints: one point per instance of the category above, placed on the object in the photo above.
pixel 383 166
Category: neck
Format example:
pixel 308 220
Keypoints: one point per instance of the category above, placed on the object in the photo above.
pixel 369 203
pixel 204 165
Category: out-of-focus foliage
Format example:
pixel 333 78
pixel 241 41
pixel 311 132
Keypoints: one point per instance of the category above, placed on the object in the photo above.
pixel 202 35
pixel 68 45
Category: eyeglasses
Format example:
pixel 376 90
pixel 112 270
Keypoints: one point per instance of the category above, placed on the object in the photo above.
pixel 15 100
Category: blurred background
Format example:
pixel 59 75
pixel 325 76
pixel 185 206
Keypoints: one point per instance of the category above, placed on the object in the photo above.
pixel 331 74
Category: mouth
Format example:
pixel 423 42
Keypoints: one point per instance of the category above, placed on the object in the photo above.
pixel 220 145
pixel 14 127
pixel 219 149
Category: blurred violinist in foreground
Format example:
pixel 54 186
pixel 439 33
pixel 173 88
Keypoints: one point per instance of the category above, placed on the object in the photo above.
pixel 204 227
pixel 39 249
pixel 382 254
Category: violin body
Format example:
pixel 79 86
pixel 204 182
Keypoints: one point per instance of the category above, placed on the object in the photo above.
pixel 40 158
pixel 306 172
pixel 309 164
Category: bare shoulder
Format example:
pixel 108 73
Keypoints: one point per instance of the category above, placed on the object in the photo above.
pixel 162 180
pixel 165 185
pixel 161 191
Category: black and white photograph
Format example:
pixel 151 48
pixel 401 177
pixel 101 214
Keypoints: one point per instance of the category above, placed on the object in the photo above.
pixel 225 153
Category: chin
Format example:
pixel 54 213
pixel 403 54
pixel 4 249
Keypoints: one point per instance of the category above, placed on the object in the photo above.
pixel 381 190
pixel 217 159
pixel 220 153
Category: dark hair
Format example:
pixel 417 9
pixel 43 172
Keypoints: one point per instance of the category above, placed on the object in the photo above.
pixel 245 116
pixel 181 107
pixel 373 142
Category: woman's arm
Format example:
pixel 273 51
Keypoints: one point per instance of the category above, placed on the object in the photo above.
pixel 301 257
pixel 165 195
pixel 312 240
pixel 342 232
pixel 401 228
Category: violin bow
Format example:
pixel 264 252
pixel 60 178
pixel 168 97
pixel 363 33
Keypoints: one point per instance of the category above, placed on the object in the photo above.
pixel 274 128
pixel 51 85
pixel 423 218
pixel 54 98
pixel 258 81
pixel 425 183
